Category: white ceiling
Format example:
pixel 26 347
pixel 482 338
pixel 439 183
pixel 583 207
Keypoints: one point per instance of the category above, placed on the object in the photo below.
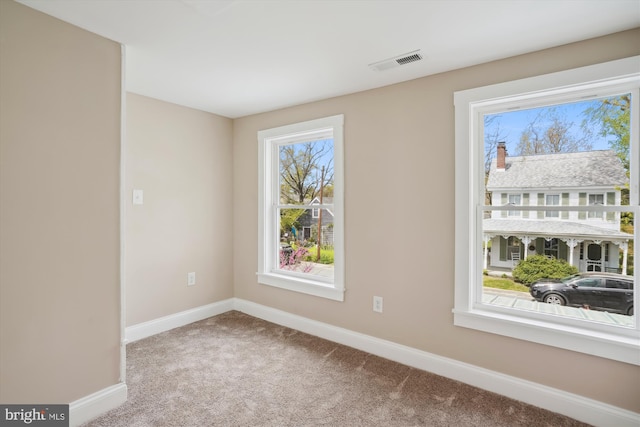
pixel 239 57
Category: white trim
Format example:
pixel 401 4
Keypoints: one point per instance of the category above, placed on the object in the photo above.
pixel 96 404
pixel 166 323
pixel 572 405
pixel 123 214
pixel 306 284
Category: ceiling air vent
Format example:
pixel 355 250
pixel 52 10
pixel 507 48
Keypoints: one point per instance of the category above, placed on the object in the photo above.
pixel 396 61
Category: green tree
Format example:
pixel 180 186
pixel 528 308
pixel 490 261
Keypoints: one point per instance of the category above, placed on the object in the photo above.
pixel 612 115
pixel 288 219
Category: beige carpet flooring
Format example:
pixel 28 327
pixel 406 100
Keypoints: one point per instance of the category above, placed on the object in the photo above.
pixel 237 370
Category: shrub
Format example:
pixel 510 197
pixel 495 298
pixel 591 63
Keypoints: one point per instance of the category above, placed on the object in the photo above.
pixel 540 267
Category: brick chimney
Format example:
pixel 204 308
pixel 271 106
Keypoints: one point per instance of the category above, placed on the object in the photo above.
pixel 501 156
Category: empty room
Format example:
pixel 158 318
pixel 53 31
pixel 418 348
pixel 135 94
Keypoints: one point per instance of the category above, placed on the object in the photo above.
pixel 301 213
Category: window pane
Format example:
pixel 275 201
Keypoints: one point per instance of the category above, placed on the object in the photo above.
pixel 580 151
pixel 306 172
pixel 298 246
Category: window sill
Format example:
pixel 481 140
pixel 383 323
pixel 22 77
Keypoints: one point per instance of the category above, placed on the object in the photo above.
pixel 305 286
pixel 623 348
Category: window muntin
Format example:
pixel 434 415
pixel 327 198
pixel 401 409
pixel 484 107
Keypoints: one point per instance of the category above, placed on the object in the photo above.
pixel 301 171
pixel 566 329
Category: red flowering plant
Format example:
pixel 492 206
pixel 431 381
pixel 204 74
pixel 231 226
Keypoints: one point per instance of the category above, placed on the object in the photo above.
pixel 292 259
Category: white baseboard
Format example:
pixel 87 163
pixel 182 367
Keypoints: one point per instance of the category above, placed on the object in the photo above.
pixel 166 323
pixel 578 407
pixel 96 404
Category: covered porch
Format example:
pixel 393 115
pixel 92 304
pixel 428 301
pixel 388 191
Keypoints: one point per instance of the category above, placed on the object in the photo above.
pixel 585 246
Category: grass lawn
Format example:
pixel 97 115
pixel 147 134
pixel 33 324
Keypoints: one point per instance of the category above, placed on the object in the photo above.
pixel 500 283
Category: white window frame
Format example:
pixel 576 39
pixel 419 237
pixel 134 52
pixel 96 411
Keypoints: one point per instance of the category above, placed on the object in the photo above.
pixel 596 81
pixel 268 193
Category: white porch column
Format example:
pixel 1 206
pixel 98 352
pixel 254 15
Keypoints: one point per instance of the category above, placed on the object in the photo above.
pixel 525 241
pixel 486 251
pixel 572 243
pixel 625 253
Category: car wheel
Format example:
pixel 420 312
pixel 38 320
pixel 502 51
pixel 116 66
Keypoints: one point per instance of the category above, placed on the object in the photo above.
pixel 630 311
pixel 554 299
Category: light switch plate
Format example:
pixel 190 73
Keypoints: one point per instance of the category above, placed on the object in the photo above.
pixel 138 197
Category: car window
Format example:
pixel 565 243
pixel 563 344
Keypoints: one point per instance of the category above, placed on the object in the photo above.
pixel 570 278
pixel 618 284
pixel 590 282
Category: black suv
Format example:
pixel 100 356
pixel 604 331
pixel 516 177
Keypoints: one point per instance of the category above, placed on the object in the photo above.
pixel 596 291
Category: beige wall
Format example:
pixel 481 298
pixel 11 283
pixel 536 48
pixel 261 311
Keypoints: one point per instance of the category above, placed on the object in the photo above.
pixel 181 159
pixel 59 209
pixel 399 153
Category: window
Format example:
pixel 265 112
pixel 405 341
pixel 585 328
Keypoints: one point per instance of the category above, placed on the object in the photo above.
pixel 552 200
pixel 618 284
pixel 515 200
pixel 566 327
pixel 513 248
pixel 551 247
pixel 596 200
pixel 589 283
pixel 301 226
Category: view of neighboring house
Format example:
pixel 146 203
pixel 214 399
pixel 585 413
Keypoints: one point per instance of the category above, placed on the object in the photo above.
pixel 591 241
pixel 308 221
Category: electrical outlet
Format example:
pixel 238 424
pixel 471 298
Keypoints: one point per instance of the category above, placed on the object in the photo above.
pixel 191 279
pixel 377 304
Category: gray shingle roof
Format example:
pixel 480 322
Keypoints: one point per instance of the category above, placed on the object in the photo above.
pixel 547 228
pixel 563 170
